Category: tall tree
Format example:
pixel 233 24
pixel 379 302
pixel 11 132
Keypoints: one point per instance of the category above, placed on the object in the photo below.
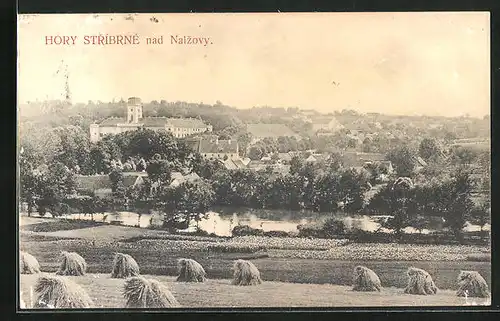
pixel 403 159
pixel 56 183
pixel 429 149
pixel 159 172
pixel 187 201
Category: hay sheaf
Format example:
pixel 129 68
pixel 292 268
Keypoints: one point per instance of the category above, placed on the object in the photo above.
pixel 147 293
pixel 57 292
pixel 190 271
pixel 28 264
pixel 124 266
pixel 472 284
pixel 245 273
pixel 72 264
pixel 365 280
pixel 420 282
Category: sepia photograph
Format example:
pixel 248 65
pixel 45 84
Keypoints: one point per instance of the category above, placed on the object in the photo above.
pixel 253 160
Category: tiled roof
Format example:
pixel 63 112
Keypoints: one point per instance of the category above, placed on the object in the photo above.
pixel 269 130
pixel 357 126
pixel 311 158
pixel 239 163
pixel 420 161
pixel 356 159
pixel 255 164
pixel 325 120
pixel 95 182
pixel 113 121
pixel 285 156
pixel 92 183
pixel 218 146
pixel 154 121
pixel 371 156
pixel 229 164
pixel 178 178
pixel 158 122
pixel 186 123
pixel 245 161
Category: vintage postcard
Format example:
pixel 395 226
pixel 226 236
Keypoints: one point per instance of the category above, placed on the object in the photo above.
pixel 254 160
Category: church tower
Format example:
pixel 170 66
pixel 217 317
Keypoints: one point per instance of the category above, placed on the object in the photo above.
pixel 134 110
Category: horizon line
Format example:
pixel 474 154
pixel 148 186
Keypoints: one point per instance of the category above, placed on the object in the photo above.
pixel 466 115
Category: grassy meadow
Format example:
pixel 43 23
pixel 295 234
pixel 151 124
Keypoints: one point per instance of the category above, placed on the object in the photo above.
pixel 297 272
pixel 107 293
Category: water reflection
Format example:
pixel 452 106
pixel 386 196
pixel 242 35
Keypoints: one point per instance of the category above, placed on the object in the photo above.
pixel 222 222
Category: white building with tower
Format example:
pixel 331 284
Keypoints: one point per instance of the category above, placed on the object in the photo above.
pixel 178 127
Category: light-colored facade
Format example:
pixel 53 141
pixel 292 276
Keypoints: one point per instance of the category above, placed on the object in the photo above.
pixel 178 127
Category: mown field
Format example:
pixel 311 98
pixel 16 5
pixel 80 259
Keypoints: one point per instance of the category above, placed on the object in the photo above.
pixel 107 293
pixel 293 260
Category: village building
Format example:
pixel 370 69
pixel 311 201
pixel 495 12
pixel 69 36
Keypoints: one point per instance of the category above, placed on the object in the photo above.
pixel 285 158
pixel 359 160
pixel 266 159
pixel 178 178
pixel 245 161
pixel 325 125
pixel 211 147
pixel 308 112
pixel 100 185
pixel 261 131
pixel 233 164
pixel 311 159
pixel 178 127
pixel 420 163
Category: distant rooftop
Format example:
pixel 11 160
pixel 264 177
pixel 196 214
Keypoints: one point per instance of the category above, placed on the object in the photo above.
pixel 269 130
pixel 158 122
pixel 210 144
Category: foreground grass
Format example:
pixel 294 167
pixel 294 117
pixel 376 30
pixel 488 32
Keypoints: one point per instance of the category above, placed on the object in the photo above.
pixel 163 261
pixel 107 293
pixel 279 259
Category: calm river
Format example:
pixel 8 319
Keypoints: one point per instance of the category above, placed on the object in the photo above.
pixel 222 220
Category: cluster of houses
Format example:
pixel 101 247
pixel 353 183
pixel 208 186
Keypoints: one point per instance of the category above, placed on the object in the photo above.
pixel 100 185
pixel 199 137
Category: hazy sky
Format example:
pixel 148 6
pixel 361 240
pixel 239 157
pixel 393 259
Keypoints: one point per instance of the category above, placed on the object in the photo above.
pixel 398 63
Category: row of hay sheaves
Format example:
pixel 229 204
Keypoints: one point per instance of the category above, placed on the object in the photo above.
pixel 52 291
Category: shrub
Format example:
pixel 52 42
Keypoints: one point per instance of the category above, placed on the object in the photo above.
pixel 472 284
pixel 277 234
pixel 143 293
pixel 333 228
pixel 420 282
pixel 362 236
pixel 365 280
pixel 72 264
pixel 28 264
pixel 190 271
pixel 245 273
pixel 59 293
pixel 243 230
pixel 124 266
